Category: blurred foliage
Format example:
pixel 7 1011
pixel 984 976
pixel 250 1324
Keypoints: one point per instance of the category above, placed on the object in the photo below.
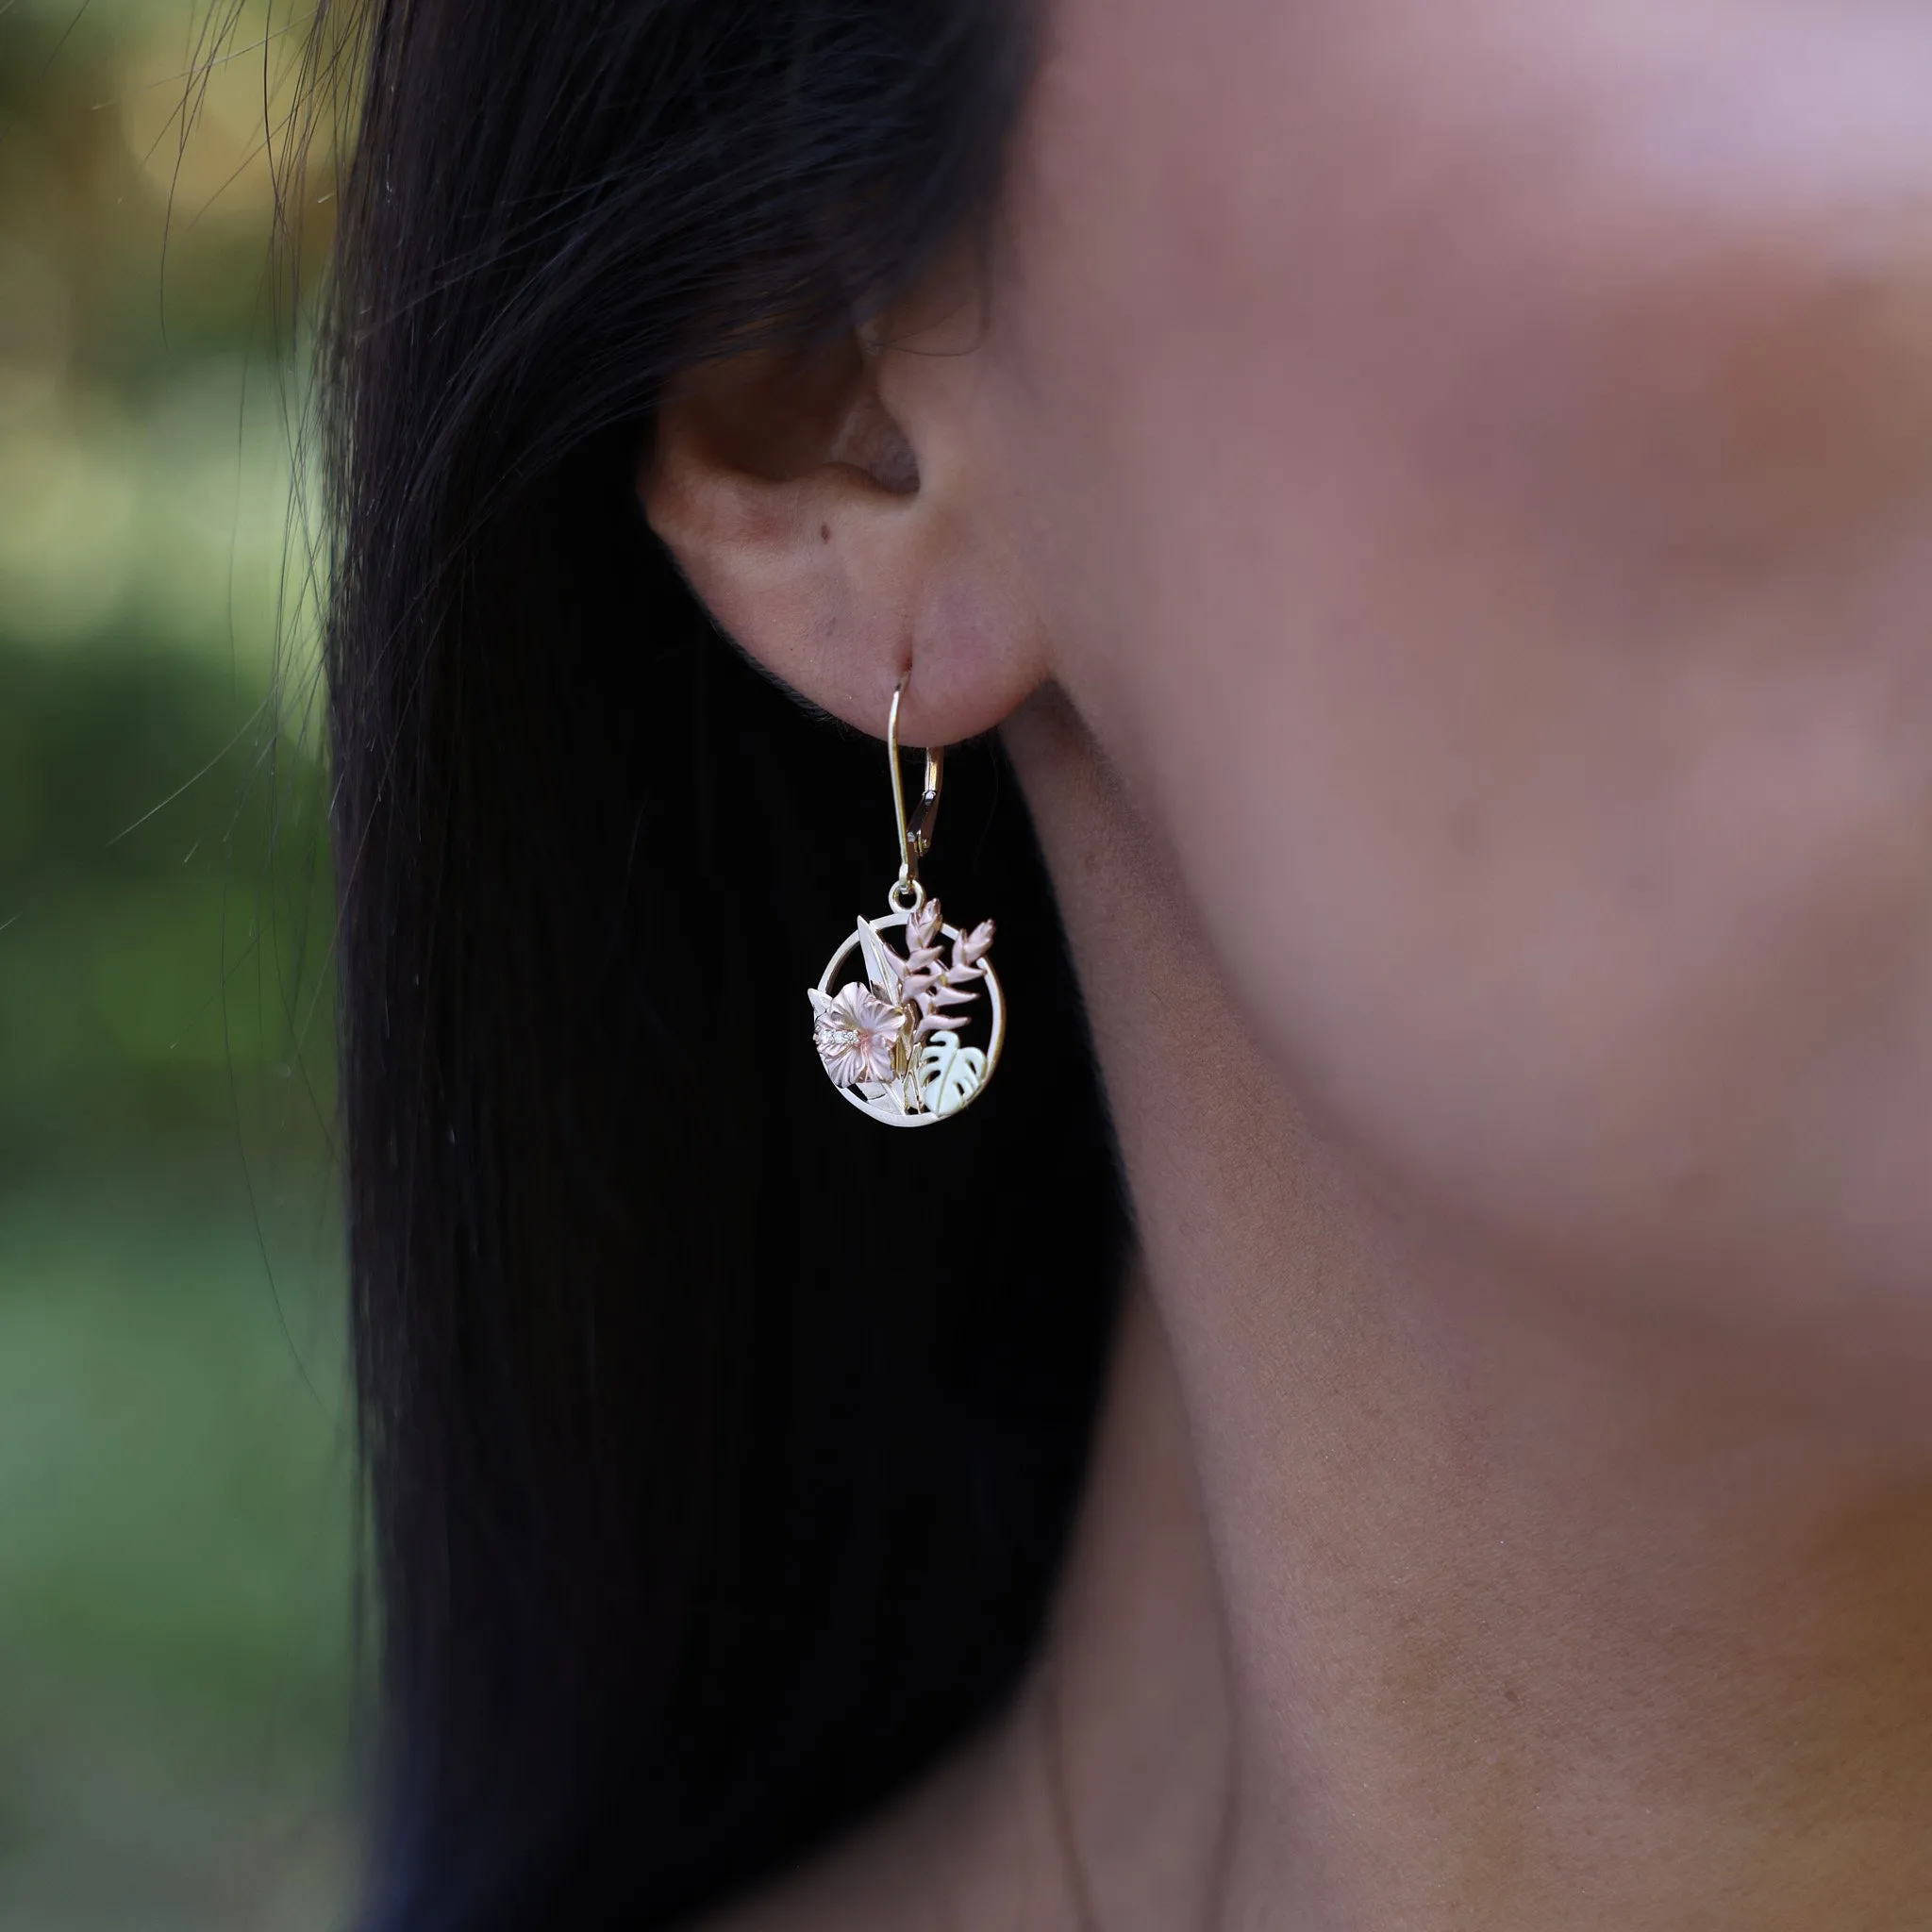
pixel 174 1571
pixel 159 838
pixel 143 473
pixel 174 1482
pixel 161 979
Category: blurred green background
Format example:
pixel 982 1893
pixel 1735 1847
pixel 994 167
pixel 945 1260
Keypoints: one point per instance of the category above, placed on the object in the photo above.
pixel 175 1475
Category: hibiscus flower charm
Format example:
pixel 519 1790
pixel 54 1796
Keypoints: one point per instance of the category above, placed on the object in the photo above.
pixel 895 1042
pixel 858 1037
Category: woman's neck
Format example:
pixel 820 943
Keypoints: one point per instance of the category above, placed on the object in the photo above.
pixel 1505 1611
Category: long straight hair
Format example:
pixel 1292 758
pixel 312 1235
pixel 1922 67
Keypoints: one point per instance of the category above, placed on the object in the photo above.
pixel 721 1447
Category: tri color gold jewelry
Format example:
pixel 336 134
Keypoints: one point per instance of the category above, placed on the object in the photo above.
pixel 894 1042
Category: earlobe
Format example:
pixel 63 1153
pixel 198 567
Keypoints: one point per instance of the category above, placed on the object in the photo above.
pixel 799 509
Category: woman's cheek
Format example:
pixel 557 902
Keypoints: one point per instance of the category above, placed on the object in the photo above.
pixel 1681 417
pixel 1686 1034
pixel 1703 397
pixel 1493 493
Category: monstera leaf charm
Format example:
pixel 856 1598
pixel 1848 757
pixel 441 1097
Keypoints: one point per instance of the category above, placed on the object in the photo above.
pixel 949 1073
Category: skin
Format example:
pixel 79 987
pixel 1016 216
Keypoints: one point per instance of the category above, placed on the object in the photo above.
pixel 1440 505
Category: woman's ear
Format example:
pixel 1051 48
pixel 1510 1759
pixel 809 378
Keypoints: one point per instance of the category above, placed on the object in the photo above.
pixel 823 506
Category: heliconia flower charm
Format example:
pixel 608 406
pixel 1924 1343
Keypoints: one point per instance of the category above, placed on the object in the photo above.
pixel 892 1042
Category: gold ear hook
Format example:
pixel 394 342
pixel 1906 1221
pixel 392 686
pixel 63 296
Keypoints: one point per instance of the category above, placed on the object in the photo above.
pixel 915 841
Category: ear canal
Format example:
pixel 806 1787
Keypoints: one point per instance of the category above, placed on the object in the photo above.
pixel 870 440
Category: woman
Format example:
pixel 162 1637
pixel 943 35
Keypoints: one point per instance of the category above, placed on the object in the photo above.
pixel 1434 509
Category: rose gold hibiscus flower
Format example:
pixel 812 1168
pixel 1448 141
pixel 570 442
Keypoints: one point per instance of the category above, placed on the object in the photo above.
pixel 856 1034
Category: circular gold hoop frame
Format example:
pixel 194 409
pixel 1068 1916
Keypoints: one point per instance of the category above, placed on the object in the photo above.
pixel 829 982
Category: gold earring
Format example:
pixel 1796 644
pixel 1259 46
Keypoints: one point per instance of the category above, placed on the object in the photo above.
pixel 892 1041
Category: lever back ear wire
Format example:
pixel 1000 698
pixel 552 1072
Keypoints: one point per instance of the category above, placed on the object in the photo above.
pixel 892 1042
pixel 915 841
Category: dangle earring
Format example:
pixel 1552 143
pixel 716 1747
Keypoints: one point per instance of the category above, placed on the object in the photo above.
pixel 892 1041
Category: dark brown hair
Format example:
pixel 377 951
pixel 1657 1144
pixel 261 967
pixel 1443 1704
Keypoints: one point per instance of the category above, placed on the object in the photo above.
pixel 721 1448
